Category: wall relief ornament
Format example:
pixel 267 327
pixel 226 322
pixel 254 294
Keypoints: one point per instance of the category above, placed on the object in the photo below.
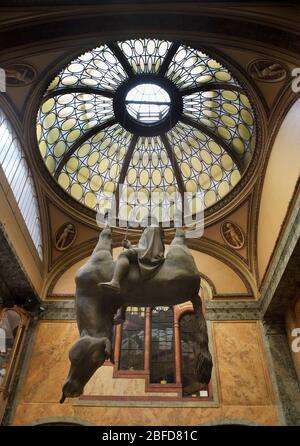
pixel 267 70
pixel 65 236
pixel 233 235
pixel 19 74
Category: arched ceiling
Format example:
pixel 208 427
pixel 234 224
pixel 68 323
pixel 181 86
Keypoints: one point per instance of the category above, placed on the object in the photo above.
pixel 93 146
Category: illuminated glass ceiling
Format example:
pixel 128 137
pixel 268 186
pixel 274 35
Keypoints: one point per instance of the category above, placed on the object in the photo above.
pixel 150 114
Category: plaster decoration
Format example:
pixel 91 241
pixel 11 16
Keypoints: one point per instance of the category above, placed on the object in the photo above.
pixel 65 236
pixel 267 70
pixel 233 235
pixel 19 74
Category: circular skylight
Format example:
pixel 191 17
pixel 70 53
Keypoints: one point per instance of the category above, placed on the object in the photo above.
pixel 148 114
pixel 148 103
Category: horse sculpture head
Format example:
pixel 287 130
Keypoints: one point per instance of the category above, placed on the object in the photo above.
pixel 86 356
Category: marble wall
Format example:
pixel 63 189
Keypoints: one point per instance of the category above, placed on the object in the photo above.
pixel 242 384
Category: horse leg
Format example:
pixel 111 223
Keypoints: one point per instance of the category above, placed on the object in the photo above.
pixel 204 360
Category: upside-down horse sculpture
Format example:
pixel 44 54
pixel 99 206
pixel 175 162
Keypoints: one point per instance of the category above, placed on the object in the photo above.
pixel 141 276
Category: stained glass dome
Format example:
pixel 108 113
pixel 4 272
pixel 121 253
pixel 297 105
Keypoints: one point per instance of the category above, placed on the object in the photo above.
pixel 153 115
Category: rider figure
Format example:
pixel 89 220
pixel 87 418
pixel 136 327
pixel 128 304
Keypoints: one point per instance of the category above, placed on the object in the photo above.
pixel 149 254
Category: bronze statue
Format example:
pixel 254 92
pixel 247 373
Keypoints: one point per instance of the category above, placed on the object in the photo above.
pixel 143 278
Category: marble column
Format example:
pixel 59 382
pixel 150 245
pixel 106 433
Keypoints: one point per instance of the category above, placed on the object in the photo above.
pixel 283 370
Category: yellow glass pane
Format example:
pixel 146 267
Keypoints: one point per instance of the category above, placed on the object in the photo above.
pixel 54 83
pixel 84 150
pixel 95 183
pixel 90 200
pixel 105 143
pixel 98 137
pixel 206 157
pixel 49 120
pixel 50 163
pixel 64 180
pixel 223 76
pixel 154 159
pixel 230 108
pixel 109 187
pixel 156 177
pixel 144 177
pixel 227 162
pixel 223 189
pixel 145 159
pixel 76 191
pixel 210 198
pixel 93 158
pixel 65 99
pixel 122 152
pixel 200 135
pixel 227 120
pixel 113 148
pixel 68 124
pixel 83 175
pixel 225 133
pixel 229 95
pixel 196 163
pixel 43 148
pixel 131 176
pixel 235 177
pixel 213 64
pixel 186 148
pixel 38 131
pixel 203 79
pixel 191 186
pixel 53 136
pixel 69 80
pixel 59 149
pixel 194 143
pixel 48 105
pixel 246 116
pixel 216 172
pixel 244 132
pixel 114 171
pixel 168 175
pixel 164 157
pixel 204 180
pixel 103 165
pixel 72 164
pixel 245 101
pixel 238 145
pixel 73 135
pixel 214 147
pixel 185 170
pixel 65 112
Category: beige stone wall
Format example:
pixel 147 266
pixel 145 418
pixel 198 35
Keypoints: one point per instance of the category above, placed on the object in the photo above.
pixel 15 227
pixel 242 382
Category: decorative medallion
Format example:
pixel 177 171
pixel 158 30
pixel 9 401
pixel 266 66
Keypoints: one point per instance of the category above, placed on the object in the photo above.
pixel 267 70
pixel 19 74
pixel 65 236
pixel 232 235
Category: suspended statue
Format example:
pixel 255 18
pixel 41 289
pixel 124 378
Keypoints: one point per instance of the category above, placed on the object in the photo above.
pixel 141 276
